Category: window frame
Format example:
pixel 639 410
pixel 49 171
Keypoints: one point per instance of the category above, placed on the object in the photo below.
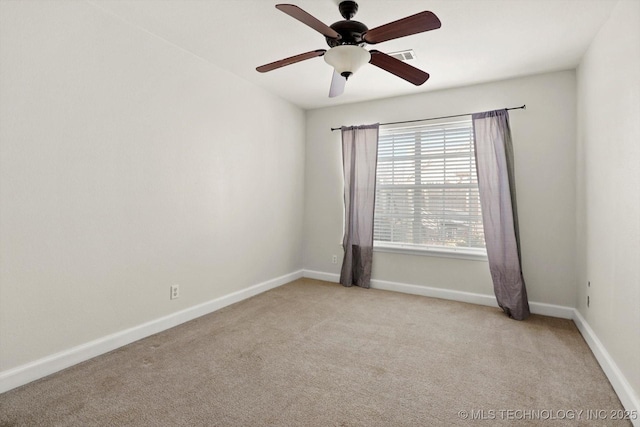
pixel 468 253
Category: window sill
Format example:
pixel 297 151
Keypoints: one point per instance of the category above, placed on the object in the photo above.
pixel 474 255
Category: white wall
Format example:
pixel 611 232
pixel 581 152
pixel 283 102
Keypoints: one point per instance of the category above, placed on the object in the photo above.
pixel 608 203
pixel 128 165
pixel 544 143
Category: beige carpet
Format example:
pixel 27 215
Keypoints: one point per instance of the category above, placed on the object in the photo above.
pixel 316 354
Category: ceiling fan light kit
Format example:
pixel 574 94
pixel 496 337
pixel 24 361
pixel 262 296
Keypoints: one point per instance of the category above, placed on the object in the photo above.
pixel 346 39
pixel 347 59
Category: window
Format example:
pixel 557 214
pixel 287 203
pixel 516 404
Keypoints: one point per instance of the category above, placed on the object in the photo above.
pixel 427 191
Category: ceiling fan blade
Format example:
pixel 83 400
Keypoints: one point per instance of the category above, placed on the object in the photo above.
pixel 397 67
pixel 337 85
pixel 308 19
pixel 414 24
pixel 290 60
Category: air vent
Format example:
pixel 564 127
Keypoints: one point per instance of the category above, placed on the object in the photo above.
pixel 404 55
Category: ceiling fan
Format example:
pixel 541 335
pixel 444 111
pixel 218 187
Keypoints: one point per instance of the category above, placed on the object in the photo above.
pixel 346 40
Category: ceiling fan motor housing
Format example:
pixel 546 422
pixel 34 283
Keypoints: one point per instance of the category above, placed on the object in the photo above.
pixel 351 32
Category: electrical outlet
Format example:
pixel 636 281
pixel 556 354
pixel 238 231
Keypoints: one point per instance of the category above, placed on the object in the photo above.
pixel 175 291
pixel 334 259
pixel 588 302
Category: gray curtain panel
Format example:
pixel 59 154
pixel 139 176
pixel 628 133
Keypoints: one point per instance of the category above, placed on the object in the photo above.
pixel 494 163
pixel 359 161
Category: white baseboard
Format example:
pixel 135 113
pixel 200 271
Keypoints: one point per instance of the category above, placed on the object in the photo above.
pixel 623 389
pixel 428 291
pixel 405 288
pixel 321 275
pixel 32 371
pixel 551 310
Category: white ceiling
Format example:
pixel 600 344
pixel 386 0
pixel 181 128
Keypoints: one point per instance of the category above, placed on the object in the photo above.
pixel 480 40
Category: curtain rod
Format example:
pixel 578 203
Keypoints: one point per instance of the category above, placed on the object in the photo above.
pixel 523 107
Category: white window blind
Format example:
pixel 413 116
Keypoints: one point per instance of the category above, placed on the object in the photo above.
pixel 427 189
